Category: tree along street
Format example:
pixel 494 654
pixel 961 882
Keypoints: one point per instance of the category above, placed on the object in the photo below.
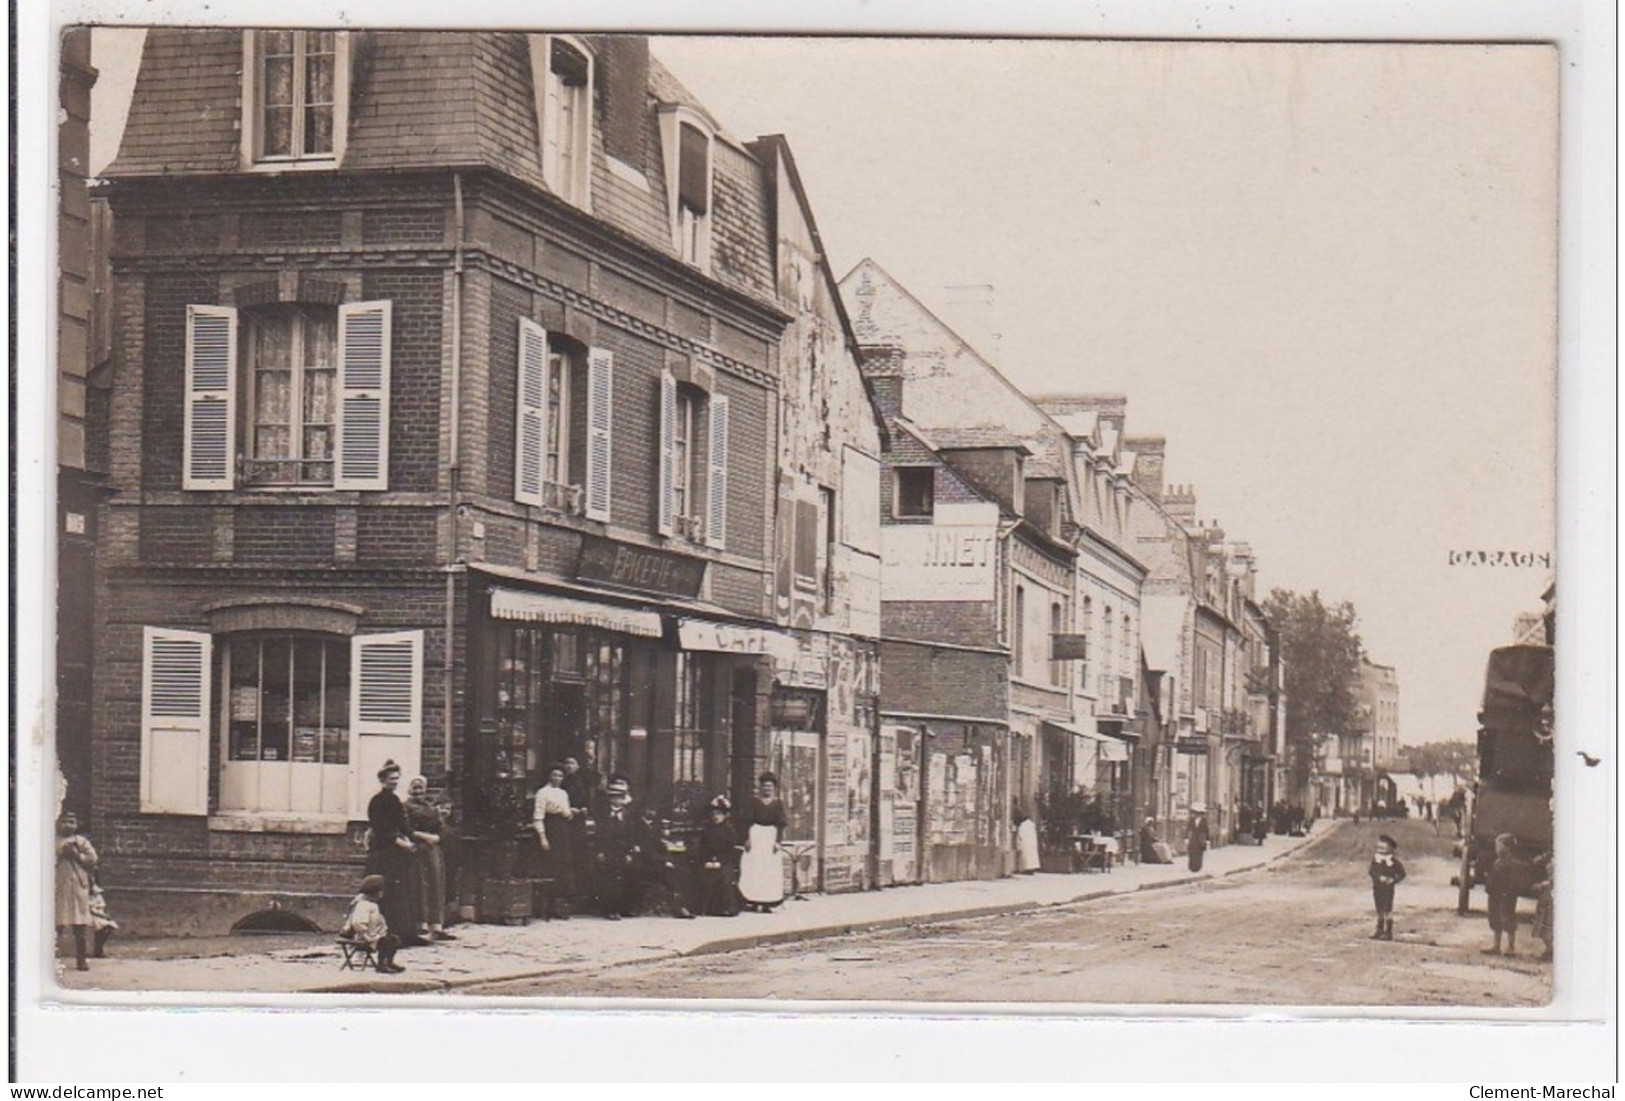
pixel 1296 933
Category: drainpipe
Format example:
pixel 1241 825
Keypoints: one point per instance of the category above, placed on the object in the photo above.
pixel 454 473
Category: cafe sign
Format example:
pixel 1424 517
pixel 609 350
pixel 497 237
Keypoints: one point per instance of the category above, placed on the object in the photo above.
pixel 610 562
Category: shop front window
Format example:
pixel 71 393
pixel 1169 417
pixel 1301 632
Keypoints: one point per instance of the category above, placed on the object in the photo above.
pixel 287 737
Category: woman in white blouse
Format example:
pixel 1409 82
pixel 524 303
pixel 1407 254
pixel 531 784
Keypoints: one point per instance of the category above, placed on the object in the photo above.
pixel 552 821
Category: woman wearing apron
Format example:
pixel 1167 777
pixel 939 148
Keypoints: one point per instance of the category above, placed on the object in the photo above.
pixel 761 869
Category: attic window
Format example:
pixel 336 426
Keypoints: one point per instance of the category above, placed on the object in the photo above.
pixel 563 71
pixel 688 145
pixel 915 492
pixel 297 96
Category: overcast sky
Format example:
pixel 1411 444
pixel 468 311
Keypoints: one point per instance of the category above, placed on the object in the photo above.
pixel 1326 273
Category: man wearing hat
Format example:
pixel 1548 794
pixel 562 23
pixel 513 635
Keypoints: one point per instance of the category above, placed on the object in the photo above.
pixel 627 857
pixel 365 923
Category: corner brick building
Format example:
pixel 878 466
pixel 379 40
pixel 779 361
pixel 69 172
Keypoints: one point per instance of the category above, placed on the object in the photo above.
pixel 477 399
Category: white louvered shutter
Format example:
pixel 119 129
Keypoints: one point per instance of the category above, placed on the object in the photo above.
pixel 386 710
pixel 600 428
pixel 174 721
pixel 668 448
pixel 716 513
pixel 530 443
pixel 211 398
pixel 363 417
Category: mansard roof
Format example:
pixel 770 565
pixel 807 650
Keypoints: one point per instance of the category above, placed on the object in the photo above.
pixel 453 100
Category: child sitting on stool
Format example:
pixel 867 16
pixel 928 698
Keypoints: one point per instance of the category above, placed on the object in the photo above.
pixel 1386 872
pixel 365 923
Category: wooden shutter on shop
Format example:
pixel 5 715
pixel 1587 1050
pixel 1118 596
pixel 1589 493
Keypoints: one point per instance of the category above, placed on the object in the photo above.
pixel 668 448
pixel 211 398
pixel 363 414
pixel 716 514
pixel 600 430
pixel 386 710
pixel 530 433
pixel 175 669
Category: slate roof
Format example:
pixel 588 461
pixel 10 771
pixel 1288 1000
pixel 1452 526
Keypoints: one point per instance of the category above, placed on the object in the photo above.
pixel 955 439
pixel 442 99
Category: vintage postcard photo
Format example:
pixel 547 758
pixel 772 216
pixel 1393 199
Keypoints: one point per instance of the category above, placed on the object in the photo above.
pixel 1002 522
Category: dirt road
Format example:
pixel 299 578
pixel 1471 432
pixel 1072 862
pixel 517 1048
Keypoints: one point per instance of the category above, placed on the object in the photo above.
pixel 1296 933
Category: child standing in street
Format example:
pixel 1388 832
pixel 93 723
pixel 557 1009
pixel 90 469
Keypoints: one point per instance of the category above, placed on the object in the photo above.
pixel 1386 872
pixel 1510 876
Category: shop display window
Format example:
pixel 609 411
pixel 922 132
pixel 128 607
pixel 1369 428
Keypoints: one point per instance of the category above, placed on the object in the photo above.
pixel 286 720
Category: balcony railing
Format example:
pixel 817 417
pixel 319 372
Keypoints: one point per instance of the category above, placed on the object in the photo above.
pixel 564 498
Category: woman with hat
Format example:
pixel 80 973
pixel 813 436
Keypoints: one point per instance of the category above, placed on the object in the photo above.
pixel 716 862
pixel 390 854
pixel 761 869
pixel 366 923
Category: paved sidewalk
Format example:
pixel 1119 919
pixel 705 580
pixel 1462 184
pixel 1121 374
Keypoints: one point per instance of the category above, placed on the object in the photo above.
pixel 493 953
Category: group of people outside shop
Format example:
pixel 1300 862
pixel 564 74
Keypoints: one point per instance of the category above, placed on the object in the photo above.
pixel 600 851
pixel 594 849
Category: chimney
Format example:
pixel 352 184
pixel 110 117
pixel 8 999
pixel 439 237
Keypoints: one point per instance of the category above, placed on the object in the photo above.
pixel 623 81
pixel 1180 504
pixel 883 367
pixel 1149 452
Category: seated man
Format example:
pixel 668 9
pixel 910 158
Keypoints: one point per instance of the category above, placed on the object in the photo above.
pixel 628 858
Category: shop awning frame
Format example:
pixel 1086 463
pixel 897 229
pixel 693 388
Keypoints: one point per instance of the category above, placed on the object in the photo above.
pixel 529 607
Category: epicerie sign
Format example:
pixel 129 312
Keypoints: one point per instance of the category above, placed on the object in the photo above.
pixel 938 563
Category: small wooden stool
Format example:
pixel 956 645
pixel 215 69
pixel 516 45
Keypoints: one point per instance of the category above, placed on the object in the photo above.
pixel 358 954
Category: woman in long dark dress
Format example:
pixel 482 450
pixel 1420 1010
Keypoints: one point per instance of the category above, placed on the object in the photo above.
pixel 761 869
pixel 389 854
pixel 424 821
pixel 1196 842
pixel 716 862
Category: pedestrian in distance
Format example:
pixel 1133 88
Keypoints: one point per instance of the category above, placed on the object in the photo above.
pixel 365 924
pixel 1387 872
pixel 1196 842
pixel 1027 861
pixel 75 873
pixel 1153 850
pixel 1545 865
pixel 1510 877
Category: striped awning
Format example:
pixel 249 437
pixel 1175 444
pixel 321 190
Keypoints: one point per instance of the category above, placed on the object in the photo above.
pixel 547 608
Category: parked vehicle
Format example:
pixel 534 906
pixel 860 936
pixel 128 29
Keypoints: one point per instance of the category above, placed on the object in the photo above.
pixel 1515 764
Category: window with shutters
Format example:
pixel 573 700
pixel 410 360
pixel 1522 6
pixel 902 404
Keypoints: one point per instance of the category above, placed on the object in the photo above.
pixel 688 141
pixel 296 99
pixel 563 69
pixel 694 440
pixel 292 395
pixel 564 424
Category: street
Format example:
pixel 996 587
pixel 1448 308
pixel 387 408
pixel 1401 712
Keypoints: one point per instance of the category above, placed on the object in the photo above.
pixel 1292 934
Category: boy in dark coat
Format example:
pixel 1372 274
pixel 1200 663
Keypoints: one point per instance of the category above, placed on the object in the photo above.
pixel 1386 872
pixel 1511 876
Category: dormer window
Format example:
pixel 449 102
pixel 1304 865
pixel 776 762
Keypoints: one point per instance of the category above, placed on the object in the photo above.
pixel 297 96
pixel 688 144
pixel 564 115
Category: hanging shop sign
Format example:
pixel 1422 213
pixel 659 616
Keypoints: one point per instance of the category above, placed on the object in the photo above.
pixel 644 568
